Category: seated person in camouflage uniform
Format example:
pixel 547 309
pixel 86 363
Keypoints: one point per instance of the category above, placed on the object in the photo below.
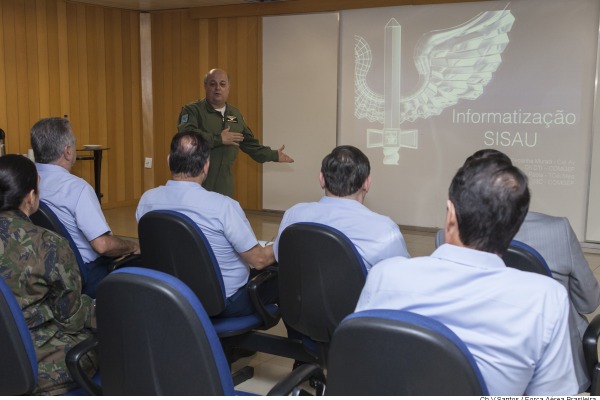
pixel 40 268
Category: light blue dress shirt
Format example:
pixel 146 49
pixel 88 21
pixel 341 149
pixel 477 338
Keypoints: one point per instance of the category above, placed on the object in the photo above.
pixel 75 204
pixel 220 218
pixel 376 237
pixel 514 323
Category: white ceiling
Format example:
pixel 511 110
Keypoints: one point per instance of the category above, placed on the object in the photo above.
pixel 154 5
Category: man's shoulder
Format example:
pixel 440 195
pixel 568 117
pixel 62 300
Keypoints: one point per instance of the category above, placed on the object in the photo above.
pixel 541 224
pixel 63 176
pixel 195 105
pixel 304 206
pixel 40 237
pixel 195 194
pixel 195 102
pixel 537 217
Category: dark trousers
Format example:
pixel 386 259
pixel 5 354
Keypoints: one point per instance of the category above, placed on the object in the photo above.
pixel 239 303
pixel 96 271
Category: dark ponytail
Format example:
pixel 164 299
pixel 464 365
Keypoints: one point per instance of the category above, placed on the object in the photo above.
pixel 18 177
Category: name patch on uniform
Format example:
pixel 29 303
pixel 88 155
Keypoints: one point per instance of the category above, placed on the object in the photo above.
pixel 232 118
pixel 184 118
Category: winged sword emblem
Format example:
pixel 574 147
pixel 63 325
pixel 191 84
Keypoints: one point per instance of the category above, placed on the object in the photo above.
pixel 453 64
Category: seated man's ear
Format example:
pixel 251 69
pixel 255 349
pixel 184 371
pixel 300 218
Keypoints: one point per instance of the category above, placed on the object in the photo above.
pixel 367 184
pixel 321 180
pixel 68 154
pixel 451 232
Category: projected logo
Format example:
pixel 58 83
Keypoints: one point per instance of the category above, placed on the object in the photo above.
pixel 453 64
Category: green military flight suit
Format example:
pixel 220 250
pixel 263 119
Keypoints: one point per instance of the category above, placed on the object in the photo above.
pixel 202 118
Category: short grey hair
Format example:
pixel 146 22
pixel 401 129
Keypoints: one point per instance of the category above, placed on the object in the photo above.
pixel 49 137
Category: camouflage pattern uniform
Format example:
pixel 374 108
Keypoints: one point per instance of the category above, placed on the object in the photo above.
pixel 40 268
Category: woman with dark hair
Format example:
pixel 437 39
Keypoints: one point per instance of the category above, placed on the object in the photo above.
pixel 40 268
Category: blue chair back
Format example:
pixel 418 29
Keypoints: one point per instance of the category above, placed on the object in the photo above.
pixel 321 275
pixel 18 363
pixel 524 257
pixel 156 338
pixel 400 353
pixel 172 243
pixel 46 218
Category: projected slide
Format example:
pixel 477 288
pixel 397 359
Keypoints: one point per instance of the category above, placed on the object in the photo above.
pixel 423 87
pixel 453 64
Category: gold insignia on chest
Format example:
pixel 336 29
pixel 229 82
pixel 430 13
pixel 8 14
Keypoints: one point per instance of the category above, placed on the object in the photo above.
pixel 232 118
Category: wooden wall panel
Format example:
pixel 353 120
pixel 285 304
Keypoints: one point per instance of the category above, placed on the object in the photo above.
pixel 61 57
pixel 66 58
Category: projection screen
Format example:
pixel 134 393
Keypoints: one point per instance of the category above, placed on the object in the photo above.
pixel 422 87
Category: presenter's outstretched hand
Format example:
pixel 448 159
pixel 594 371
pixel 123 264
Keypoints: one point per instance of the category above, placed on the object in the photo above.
pixel 284 157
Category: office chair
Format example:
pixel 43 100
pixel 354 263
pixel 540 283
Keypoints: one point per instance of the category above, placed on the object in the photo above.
pixel 172 243
pixel 321 276
pixel 18 362
pixel 524 257
pixel 46 218
pixel 154 338
pixel 590 352
pixel 399 353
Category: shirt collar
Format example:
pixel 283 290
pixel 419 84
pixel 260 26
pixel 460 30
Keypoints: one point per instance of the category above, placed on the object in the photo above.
pixel 341 201
pixel 467 256
pixel 171 182
pixel 50 167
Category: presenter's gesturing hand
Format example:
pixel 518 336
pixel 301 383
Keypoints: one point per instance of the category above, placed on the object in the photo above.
pixel 231 138
pixel 284 157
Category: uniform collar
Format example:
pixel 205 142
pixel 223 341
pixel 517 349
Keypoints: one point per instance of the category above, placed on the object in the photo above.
pixel 14 214
pixel 467 256
pixel 51 167
pixel 211 109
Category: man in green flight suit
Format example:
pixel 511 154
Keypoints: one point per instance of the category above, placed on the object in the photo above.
pixel 223 126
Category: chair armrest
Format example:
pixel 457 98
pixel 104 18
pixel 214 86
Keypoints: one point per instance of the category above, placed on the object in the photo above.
pixel 268 276
pixel 130 260
pixel 298 376
pixel 590 352
pixel 73 365
pixel 590 343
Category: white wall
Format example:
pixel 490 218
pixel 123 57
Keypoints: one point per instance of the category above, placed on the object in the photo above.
pixel 300 64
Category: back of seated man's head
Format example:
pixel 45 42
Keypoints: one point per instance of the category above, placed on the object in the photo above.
pixel 488 153
pixel 189 154
pixel 345 170
pixel 49 137
pixel 491 199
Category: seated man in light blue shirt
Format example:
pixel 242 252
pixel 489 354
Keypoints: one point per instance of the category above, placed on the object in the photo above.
pixel 74 201
pixel 554 239
pixel 345 178
pixel 220 218
pixel 514 323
